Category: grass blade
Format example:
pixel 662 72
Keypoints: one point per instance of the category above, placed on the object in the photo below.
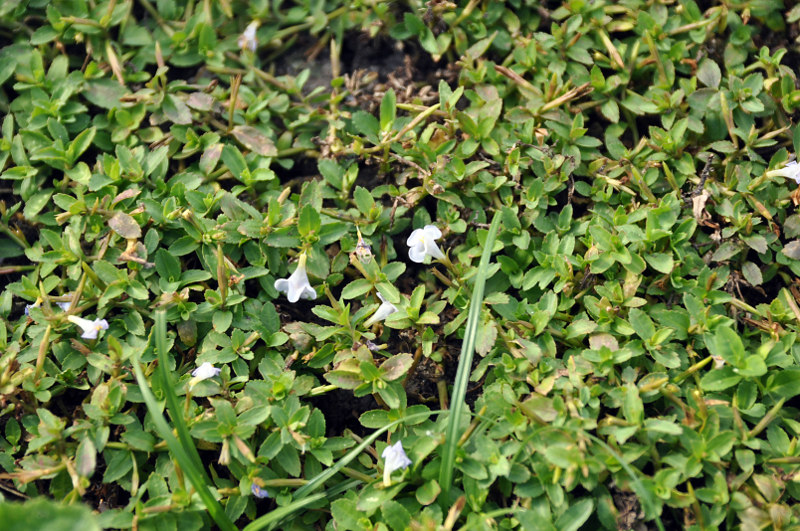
pixel 185 455
pixel 457 403
pixel 304 493
pixel 173 406
pixel 275 516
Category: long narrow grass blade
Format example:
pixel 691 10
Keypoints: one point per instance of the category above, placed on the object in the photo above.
pixel 274 517
pixel 195 476
pixel 175 410
pixel 303 494
pixel 465 362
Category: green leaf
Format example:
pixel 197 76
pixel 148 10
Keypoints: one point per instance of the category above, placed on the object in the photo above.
pixel 641 323
pixel 374 419
pixel 331 172
pixel 388 110
pixel 756 242
pixel 752 273
pixel 309 221
pixel 167 266
pixel 363 199
pixel 575 516
pixel 85 457
pixel 124 225
pixel 254 140
pixel 719 379
pixel 176 110
pixel 786 383
pixel 396 515
pixel 221 320
pixel 397 366
pixel 80 144
pixel 428 492
pixel 727 344
pixel 104 92
pixel 36 203
pixel 632 406
pixel 234 160
pixel 661 262
pixel 708 73
pixel 344 379
pixel 210 158
pixel 7 66
pixel 41 513
pixel 356 288
pixel 367 125
pixel 792 250
pixel 346 515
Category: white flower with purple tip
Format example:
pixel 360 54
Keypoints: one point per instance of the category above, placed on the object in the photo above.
pixel 297 286
pixel 203 372
pixel 247 40
pixel 791 171
pixel 384 310
pixel 258 492
pixel 395 458
pixel 89 328
pixel 422 244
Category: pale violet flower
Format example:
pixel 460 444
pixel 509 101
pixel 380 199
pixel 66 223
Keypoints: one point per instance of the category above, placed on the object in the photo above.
pixel 384 310
pixel 29 306
pixel 63 305
pixel 297 286
pixel 394 458
pixel 90 328
pixel 247 40
pixel 790 171
pixel 422 244
pixel 258 492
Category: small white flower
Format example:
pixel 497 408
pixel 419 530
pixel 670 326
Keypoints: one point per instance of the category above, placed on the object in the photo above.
pixel 90 328
pixel 422 244
pixel 258 492
pixel 384 310
pixel 297 286
pixel 790 171
pixel 247 40
pixel 395 458
pixel 205 371
pixel 63 305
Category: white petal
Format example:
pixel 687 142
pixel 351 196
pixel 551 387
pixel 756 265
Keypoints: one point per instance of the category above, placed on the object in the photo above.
pixel 417 254
pixel 415 238
pixel 309 293
pixel 384 310
pixel 85 324
pixel 431 249
pixel 205 371
pixel 282 285
pixel 395 457
pixel 432 231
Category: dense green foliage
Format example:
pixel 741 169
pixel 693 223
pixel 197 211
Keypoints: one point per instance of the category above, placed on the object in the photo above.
pixel 634 322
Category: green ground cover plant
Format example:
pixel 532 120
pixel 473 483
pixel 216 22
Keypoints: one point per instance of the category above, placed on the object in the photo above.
pixel 356 265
